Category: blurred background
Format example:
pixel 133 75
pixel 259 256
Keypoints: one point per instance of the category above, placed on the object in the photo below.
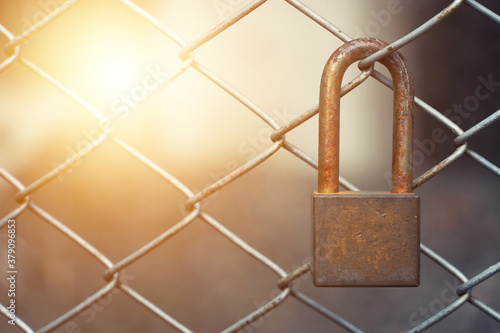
pixel 117 62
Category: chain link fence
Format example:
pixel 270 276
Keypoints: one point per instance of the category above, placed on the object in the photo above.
pixel 108 128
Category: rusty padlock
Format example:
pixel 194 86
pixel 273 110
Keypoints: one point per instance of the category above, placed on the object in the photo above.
pixel 365 238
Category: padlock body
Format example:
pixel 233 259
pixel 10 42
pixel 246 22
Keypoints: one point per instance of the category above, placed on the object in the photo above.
pixel 366 239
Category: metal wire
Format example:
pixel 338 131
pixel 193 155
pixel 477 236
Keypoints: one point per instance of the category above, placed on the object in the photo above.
pixel 284 280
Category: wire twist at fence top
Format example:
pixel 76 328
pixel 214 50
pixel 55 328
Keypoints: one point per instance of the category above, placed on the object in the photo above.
pixel 285 279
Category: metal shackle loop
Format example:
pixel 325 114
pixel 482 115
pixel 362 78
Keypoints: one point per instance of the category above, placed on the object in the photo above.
pixel 329 114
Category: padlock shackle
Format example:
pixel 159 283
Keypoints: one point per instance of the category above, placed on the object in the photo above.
pixel 329 114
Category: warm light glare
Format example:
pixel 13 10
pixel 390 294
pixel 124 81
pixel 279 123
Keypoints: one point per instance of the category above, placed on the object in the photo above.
pixel 116 72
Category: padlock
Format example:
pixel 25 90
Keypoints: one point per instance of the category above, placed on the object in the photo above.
pixel 363 238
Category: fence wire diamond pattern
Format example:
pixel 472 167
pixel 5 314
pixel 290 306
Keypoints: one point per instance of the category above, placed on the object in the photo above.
pixel 284 279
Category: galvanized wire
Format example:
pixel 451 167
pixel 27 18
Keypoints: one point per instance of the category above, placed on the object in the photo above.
pixel 284 279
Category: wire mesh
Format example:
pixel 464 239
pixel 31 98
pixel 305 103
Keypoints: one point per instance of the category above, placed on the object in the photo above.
pixel 285 280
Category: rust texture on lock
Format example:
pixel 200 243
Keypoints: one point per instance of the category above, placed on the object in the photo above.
pixel 365 238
